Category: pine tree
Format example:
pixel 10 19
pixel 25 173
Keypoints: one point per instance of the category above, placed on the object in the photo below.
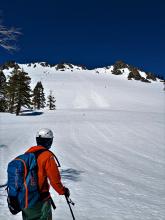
pixel 38 96
pixel 18 91
pixel 3 98
pixel 51 101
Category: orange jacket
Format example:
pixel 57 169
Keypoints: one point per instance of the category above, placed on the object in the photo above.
pixel 47 169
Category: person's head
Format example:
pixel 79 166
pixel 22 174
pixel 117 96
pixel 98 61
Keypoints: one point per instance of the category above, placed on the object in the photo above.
pixel 44 137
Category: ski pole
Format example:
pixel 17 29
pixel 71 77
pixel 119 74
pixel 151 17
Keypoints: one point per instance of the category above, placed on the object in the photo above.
pixel 69 201
pixel 52 203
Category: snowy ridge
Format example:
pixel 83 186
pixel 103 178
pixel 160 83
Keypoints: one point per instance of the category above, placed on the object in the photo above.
pixel 61 67
pixel 119 69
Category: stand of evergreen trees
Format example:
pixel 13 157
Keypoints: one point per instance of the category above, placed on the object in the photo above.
pixel 51 101
pixel 18 91
pixel 3 98
pixel 15 93
pixel 38 96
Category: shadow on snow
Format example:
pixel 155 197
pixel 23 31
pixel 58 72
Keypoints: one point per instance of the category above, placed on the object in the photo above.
pixel 30 113
pixel 3 145
pixel 71 174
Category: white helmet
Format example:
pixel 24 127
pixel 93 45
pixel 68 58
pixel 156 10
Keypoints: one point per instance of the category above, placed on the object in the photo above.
pixel 44 133
pixel 44 137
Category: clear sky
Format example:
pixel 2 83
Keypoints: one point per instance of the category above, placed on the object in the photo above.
pixel 90 32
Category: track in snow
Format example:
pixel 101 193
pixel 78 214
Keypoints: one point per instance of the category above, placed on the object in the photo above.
pixel 111 176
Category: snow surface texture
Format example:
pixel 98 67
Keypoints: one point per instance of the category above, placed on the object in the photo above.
pixel 109 138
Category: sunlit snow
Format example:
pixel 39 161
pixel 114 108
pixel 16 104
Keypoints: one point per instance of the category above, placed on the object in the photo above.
pixel 109 138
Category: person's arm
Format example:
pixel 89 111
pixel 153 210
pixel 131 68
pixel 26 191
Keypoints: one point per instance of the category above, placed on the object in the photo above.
pixel 54 176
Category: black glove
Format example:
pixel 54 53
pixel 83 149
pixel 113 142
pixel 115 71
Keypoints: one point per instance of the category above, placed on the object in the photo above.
pixel 67 192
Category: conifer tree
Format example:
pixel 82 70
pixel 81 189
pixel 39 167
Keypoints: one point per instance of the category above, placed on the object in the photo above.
pixel 3 98
pixel 38 96
pixel 18 91
pixel 51 101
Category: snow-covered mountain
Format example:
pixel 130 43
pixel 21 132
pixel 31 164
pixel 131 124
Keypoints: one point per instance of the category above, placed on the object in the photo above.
pixel 57 67
pixel 109 138
pixel 119 68
pixel 129 72
pixel 76 87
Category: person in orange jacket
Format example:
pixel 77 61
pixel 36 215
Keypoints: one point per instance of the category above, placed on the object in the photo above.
pixel 47 169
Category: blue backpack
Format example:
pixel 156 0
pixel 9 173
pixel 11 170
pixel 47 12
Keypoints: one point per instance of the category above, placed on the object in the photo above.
pixel 22 186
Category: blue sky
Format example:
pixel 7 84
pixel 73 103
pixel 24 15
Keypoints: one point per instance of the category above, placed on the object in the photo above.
pixel 90 32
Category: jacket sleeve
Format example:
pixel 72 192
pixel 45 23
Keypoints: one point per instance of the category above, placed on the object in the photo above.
pixel 54 176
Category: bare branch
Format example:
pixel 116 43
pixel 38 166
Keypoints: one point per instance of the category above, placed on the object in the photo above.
pixel 8 36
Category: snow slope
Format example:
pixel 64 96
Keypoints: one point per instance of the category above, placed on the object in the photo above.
pixel 109 138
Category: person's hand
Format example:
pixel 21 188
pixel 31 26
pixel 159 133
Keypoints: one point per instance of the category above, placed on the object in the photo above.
pixel 67 192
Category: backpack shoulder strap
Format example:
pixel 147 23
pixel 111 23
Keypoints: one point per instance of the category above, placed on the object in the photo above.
pixel 58 163
pixel 37 153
